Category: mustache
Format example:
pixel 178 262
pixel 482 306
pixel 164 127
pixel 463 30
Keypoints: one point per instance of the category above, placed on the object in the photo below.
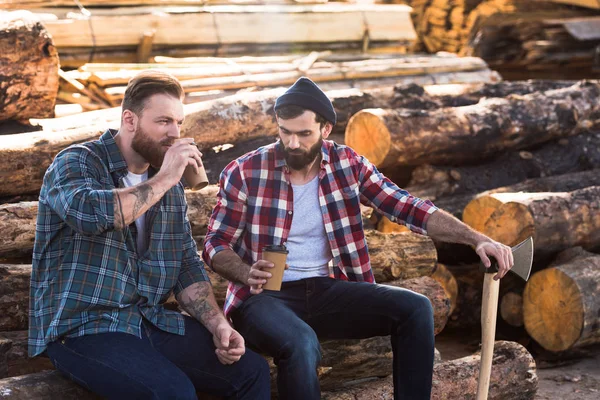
pixel 167 141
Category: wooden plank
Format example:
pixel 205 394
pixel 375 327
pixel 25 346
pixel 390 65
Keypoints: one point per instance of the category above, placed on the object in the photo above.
pixel 220 25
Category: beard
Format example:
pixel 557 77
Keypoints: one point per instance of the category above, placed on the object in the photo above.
pixel 298 159
pixel 152 151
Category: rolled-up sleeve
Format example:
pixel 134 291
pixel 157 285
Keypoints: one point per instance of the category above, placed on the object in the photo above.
pixel 395 203
pixel 75 191
pixel 192 267
pixel 227 221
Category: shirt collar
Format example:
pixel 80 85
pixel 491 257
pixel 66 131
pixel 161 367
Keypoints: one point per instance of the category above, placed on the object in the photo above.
pixel 116 161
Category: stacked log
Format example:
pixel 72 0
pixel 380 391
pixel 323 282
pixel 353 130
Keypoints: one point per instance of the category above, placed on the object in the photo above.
pixel 413 137
pixel 28 68
pixel 556 220
pixel 552 45
pixel 513 377
pixel 560 303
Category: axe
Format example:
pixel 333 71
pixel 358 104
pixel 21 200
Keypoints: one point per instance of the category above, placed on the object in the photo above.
pixel 523 258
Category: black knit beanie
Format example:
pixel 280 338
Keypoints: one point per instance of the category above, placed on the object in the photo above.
pixel 306 94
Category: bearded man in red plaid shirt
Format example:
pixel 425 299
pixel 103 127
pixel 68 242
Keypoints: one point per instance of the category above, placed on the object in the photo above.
pixel 304 192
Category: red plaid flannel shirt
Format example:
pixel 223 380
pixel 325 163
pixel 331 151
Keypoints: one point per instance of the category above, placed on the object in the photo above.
pixel 255 209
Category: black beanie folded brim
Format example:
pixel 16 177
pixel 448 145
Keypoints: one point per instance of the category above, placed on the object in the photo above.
pixel 306 94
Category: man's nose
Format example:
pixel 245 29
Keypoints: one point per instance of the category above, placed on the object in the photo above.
pixel 294 142
pixel 174 131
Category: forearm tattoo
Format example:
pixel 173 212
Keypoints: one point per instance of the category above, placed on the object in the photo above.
pixel 119 217
pixel 200 303
pixel 143 193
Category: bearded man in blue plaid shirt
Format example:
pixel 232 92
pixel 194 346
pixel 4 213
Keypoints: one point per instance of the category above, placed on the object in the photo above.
pixel 112 243
pixel 304 192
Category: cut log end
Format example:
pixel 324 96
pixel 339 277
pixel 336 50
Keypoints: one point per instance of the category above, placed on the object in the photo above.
pixel 553 309
pixel 507 222
pixel 511 309
pixel 367 134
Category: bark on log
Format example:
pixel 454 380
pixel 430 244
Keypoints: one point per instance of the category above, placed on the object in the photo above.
pixel 467 313
pixel 49 385
pixel 560 304
pixel 556 221
pixel 14 296
pixel 568 155
pixel 404 137
pixel 511 308
pixel 402 255
pixel 447 280
pixel 18 362
pixel 513 377
pixel 29 68
pixel 5 346
pixel 17 224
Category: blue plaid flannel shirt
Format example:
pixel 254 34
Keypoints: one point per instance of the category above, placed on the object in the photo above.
pixel 87 277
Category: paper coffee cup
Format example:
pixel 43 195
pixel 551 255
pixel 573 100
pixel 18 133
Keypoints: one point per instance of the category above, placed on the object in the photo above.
pixel 195 180
pixel 278 256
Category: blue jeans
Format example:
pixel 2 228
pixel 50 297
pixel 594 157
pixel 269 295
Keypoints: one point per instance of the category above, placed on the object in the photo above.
pixel 288 325
pixel 160 365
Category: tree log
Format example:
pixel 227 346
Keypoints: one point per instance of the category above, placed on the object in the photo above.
pixel 29 68
pixel 404 137
pixel 445 278
pixel 560 304
pixel 511 308
pixel 18 362
pixel 14 296
pixel 17 223
pixel 402 255
pixel 556 221
pixel 568 155
pixel 5 346
pixel 467 313
pixel 513 377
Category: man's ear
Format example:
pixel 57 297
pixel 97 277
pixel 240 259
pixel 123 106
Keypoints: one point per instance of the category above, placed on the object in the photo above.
pixel 327 130
pixel 130 120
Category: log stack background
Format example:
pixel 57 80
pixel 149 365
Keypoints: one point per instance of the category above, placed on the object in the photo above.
pixel 436 97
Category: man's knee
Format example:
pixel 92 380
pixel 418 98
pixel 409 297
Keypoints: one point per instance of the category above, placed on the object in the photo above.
pixel 302 346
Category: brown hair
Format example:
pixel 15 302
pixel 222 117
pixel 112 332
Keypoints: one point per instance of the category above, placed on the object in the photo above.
pixel 146 84
pixel 290 111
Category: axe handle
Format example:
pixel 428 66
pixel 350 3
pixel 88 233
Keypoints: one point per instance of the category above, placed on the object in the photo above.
pixel 489 311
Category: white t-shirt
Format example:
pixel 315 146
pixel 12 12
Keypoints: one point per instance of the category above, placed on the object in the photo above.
pixel 309 250
pixel 129 180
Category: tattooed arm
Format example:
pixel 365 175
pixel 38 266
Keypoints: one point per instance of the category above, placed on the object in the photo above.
pixel 199 301
pixel 132 202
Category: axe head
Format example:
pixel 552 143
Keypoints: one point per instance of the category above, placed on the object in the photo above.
pixel 523 256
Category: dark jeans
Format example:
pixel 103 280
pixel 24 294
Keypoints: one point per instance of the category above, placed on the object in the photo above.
pixel 288 324
pixel 161 365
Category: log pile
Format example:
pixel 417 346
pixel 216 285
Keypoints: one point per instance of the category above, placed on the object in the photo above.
pixel 519 38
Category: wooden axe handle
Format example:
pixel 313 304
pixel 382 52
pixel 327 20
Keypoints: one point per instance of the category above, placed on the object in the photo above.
pixel 489 311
